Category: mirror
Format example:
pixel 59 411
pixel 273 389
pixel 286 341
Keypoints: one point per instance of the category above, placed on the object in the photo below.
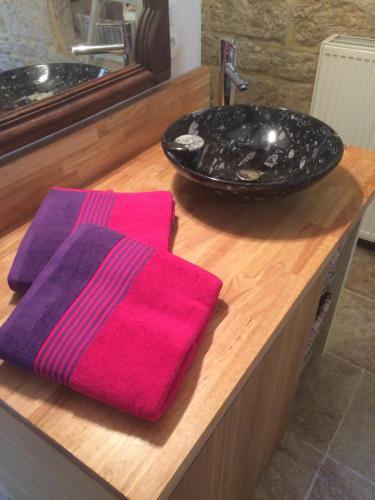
pixel 50 46
pixel 68 59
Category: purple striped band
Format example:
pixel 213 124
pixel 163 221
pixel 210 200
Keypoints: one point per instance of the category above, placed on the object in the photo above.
pixel 70 337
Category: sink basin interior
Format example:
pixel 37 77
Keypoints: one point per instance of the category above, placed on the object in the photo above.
pixel 29 84
pixel 255 145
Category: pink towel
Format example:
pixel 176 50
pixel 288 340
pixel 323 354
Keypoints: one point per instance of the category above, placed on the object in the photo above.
pixel 113 318
pixel 144 216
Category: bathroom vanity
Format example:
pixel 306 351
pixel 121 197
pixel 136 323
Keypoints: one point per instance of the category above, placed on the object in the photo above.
pixel 233 407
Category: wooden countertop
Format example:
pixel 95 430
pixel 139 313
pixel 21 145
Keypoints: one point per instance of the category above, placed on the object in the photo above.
pixel 265 253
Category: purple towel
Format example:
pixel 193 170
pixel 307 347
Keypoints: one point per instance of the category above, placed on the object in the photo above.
pixel 144 216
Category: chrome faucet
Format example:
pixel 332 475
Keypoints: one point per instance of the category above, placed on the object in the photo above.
pixel 125 48
pixel 230 79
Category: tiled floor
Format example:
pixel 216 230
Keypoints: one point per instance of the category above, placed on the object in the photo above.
pixel 328 452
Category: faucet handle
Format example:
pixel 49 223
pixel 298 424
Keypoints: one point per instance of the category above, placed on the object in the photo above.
pixel 232 42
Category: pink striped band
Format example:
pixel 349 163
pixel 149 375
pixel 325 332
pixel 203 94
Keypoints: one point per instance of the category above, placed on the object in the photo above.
pixel 96 208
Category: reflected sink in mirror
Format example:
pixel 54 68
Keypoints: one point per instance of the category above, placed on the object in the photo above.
pixel 252 152
pixel 29 84
pixel 111 36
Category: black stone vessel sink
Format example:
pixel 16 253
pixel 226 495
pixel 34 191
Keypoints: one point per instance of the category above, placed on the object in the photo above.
pixel 252 152
pixel 30 84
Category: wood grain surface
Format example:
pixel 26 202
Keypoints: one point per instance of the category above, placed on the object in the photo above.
pixel 86 153
pixel 266 253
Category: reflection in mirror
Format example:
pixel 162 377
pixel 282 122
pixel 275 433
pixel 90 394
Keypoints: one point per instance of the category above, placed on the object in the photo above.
pixel 107 30
pixel 48 46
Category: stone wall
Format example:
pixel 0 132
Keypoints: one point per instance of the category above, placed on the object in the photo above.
pixel 279 42
pixel 35 31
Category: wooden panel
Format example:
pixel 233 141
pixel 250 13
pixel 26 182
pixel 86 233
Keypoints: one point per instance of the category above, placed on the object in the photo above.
pixel 31 468
pixel 153 39
pixel 69 109
pixel 88 152
pixel 341 271
pixel 265 253
pixel 232 461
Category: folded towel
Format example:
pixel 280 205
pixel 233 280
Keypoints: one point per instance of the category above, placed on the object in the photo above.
pixel 113 318
pixel 144 216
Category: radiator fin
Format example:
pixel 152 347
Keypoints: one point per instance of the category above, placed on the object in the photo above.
pixel 353 41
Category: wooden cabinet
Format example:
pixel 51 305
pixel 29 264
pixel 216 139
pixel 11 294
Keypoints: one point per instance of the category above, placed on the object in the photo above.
pixel 240 447
pixel 231 462
pixel 233 406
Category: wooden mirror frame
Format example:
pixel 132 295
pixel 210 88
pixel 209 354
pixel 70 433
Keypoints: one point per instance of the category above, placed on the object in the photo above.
pixel 31 123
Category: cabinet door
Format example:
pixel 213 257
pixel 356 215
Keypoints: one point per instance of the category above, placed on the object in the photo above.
pixel 32 468
pixel 236 454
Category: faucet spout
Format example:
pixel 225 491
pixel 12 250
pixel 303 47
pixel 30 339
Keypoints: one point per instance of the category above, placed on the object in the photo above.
pixel 230 78
pixel 83 50
pixel 236 78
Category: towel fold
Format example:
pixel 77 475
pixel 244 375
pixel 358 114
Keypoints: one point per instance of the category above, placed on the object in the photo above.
pixel 144 216
pixel 113 318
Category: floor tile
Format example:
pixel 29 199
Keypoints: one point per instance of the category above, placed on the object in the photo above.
pixel 290 472
pixel 361 278
pixel 336 482
pixel 354 444
pixel 323 394
pixel 3 496
pixel 352 335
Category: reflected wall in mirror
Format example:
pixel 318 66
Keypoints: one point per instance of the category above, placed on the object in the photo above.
pixel 48 46
pixel 62 61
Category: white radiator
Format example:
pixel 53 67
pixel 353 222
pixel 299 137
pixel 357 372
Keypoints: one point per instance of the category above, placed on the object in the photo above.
pixel 344 97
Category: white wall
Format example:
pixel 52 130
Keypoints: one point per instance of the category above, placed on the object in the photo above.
pixel 187 26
